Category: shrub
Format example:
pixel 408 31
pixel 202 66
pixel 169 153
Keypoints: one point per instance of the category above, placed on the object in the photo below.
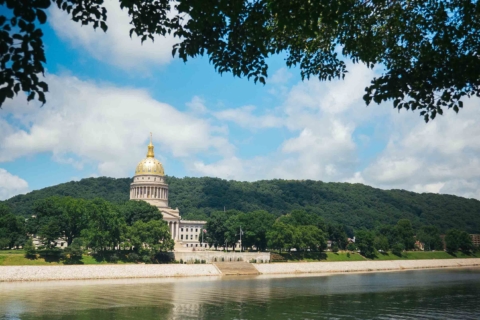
pixel 335 248
pixel 30 251
pixel 397 249
pixel 348 254
pixel 146 259
pixel 351 247
pixel 113 258
pixel 133 257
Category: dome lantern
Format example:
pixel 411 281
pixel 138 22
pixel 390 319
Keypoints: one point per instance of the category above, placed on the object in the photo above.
pixel 150 165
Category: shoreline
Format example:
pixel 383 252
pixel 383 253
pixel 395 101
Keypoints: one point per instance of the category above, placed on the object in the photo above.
pixel 97 272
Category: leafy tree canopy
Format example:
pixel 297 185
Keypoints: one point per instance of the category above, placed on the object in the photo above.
pixel 428 49
pixel 354 206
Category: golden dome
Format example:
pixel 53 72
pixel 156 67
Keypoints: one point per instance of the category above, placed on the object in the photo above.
pixel 150 165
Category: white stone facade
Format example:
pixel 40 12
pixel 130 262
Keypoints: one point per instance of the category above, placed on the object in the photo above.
pixel 149 185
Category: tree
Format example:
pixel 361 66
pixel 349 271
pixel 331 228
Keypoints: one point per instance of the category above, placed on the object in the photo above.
pixel 216 228
pixel 58 217
pixel 405 234
pixel 49 232
pixel 75 251
pixel 465 242
pixel 106 227
pixel 153 235
pixel 398 248
pixel 281 236
pixel 428 49
pixel 134 211
pixel 336 233
pixel 456 239
pixel 365 243
pixel 12 228
pixel 232 229
pixel 29 248
pixel 255 225
pixel 381 244
pixel 309 237
pixel 351 247
pixel 430 237
pixel 303 218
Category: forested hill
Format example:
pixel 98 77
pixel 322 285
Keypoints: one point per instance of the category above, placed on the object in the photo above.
pixel 354 205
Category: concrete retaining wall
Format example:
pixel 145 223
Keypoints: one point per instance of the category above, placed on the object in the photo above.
pixel 86 272
pixel 220 256
pixel 362 266
pixel 76 272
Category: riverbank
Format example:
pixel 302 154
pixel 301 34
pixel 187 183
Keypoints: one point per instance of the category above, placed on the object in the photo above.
pixel 87 272
pixel 364 266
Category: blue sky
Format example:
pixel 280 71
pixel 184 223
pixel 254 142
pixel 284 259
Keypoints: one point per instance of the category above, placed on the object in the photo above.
pixel 107 92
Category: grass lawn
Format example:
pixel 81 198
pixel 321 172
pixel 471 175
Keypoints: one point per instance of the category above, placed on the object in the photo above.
pixel 321 256
pixel 343 256
pixel 18 251
pixel 419 255
pixel 20 260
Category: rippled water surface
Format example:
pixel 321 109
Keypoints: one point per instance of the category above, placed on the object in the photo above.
pixel 432 294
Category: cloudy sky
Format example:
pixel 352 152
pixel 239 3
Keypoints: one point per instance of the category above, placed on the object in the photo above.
pixel 107 92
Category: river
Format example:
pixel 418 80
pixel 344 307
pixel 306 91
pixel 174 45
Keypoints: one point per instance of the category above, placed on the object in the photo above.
pixel 423 294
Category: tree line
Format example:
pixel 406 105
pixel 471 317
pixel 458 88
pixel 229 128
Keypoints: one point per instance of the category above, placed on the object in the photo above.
pixel 304 231
pixel 97 225
pixel 138 228
pixel 354 205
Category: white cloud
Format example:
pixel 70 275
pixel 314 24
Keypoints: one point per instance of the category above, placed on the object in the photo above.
pixel 322 126
pixel 245 117
pixel 115 46
pixel 197 105
pixel 281 76
pixel 105 125
pixel 442 156
pixel 11 185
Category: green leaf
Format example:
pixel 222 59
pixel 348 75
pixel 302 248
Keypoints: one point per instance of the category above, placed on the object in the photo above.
pixel 41 16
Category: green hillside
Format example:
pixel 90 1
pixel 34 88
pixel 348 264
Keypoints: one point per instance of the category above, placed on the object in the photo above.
pixel 354 205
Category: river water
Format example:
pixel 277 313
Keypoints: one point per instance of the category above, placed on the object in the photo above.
pixel 425 294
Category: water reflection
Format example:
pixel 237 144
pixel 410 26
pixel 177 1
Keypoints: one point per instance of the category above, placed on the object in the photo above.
pixel 448 294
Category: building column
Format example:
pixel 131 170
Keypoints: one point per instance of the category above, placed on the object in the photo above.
pixel 178 230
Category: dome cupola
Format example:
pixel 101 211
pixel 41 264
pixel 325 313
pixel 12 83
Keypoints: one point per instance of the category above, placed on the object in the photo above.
pixel 150 165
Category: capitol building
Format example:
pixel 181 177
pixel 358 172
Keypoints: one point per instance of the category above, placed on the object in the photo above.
pixel 149 185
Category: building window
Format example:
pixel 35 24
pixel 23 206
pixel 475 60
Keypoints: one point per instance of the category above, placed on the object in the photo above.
pixel 196 236
pixel 182 229
pixel 191 237
pixel 196 245
pixel 181 237
pixel 196 230
pixel 191 229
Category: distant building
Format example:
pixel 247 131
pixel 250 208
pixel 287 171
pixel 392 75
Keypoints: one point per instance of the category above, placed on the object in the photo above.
pixel 149 185
pixel 475 239
pixel 419 245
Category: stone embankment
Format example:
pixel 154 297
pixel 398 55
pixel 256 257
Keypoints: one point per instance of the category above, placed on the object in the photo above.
pixel 86 272
pixel 363 266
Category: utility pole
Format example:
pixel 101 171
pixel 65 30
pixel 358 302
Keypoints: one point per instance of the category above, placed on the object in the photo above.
pixel 240 238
